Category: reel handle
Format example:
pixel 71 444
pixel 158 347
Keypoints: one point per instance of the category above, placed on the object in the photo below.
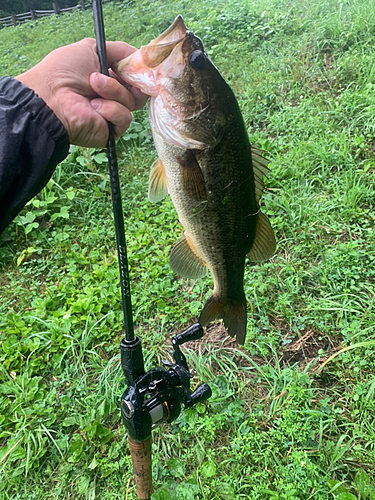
pixel 194 332
pixel 201 393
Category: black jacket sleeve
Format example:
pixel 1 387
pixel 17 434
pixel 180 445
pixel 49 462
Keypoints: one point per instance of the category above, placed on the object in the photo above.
pixel 32 142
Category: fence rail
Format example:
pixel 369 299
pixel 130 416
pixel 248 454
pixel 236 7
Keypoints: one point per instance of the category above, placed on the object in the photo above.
pixel 15 19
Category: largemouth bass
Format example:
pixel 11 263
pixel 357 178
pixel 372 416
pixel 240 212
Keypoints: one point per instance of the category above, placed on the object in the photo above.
pixel 207 166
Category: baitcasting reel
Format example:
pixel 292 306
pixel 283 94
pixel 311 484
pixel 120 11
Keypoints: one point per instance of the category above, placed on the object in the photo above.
pixel 158 395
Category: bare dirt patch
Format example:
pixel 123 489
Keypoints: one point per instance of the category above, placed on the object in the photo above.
pixel 300 349
pixel 308 346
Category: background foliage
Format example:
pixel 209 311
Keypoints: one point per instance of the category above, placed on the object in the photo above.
pixel 277 426
pixel 9 7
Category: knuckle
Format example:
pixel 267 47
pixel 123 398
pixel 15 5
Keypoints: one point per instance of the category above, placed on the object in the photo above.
pixel 130 101
pixel 124 123
pixel 126 118
pixel 88 40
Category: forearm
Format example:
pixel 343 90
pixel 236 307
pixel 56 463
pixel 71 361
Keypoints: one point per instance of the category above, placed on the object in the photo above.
pixel 32 142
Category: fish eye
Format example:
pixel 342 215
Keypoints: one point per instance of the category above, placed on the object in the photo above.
pixel 197 59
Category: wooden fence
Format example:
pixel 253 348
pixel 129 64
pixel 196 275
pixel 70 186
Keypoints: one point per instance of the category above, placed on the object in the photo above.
pixel 36 14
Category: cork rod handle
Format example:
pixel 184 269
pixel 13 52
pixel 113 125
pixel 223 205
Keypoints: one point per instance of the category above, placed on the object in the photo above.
pixel 142 465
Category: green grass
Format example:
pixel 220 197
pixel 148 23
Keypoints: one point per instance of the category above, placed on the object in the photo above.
pixel 277 426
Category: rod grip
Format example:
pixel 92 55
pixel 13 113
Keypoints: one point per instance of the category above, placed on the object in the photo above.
pixel 140 452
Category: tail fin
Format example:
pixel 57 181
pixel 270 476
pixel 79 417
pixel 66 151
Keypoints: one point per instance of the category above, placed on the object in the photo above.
pixel 233 313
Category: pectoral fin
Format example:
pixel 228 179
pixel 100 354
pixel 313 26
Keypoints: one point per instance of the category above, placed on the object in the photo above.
pixel 264 242
pixel 157 186
pixel 191 176
pixel 185 261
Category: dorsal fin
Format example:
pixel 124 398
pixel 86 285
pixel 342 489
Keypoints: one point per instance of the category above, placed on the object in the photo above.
pixel 260 170
pixel 264 245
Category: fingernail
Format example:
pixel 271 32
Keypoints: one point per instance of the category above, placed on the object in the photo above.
pixel 100 80
pixel 96 103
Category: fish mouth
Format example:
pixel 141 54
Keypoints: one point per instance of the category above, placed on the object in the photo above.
pixel 141 68
pixel 174 34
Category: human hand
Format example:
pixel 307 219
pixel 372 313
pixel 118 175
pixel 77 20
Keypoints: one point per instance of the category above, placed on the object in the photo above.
pixel 68 80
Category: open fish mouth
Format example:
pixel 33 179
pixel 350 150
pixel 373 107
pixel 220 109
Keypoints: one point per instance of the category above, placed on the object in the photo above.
pixel 164 69
pixel 143 68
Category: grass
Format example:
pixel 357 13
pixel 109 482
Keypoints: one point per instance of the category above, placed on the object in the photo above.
pixel 280 424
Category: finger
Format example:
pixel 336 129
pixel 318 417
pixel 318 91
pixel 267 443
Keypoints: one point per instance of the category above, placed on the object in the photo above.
pixel 112 90
pixel 113 112
pixel 140 98
pixel 114 75
pixel 117 51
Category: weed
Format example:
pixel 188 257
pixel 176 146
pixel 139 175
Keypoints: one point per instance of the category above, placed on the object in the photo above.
pixel 292 412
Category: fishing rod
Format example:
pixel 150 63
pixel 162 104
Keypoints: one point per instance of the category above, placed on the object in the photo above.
pixel 158 395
